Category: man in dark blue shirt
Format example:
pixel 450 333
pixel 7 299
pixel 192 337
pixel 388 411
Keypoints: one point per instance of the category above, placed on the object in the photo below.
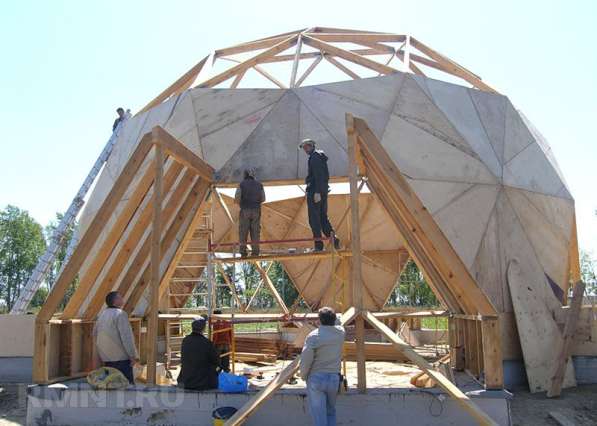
pixel 317 193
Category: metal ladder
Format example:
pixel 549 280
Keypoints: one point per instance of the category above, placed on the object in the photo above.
pixel 58 239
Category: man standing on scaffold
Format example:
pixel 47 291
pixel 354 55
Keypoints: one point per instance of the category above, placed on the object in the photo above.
pixel 317 193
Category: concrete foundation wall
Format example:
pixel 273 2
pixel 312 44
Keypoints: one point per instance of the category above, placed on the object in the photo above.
pixel 139 406
pixel 16 335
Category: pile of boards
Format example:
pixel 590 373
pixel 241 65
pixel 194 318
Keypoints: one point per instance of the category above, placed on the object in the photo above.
pixel 255 349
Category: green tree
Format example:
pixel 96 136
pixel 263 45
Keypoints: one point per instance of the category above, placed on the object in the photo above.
pixel 412 289
pixel 21 244
pixel 588 272
pixel 59 260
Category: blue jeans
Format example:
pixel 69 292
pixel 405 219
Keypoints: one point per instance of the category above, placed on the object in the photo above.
pixel 124 367
pixel 322 389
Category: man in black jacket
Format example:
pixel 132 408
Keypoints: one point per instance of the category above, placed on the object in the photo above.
pixel 317 193
pixel 199 360
pixel 250 194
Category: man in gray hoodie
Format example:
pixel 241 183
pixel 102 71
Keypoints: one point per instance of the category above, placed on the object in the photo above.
pixel 320 367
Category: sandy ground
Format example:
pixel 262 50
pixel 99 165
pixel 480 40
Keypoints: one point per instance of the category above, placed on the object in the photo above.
pixel 579 405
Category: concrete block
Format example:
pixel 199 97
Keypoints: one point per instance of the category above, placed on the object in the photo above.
pixel 16 335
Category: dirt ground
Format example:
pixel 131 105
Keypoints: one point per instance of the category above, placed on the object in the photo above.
pixel 13 405
pixel 579 405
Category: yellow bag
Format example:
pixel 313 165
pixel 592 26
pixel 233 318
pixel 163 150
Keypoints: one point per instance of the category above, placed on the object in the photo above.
pixel 107 378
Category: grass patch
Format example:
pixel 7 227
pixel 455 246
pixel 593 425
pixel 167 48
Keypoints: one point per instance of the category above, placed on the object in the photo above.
pixel 440 323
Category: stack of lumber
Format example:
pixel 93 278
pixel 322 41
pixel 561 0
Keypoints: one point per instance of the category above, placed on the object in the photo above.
pixel 255 357
pixel 374 352
pixel 422 379
pixel 255 345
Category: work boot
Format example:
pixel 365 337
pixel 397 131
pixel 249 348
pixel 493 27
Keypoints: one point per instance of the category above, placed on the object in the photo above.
pixel 318 246
pixel 243 254
pixel 336 243
pixel 255 253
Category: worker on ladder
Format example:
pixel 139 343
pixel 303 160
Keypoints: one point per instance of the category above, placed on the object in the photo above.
pixel 249 195
pixel 122 115
pixel 317 181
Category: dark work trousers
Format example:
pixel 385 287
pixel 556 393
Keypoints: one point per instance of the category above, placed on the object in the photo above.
pixel 223 348
pixel 124 366
pixel 249 221
pixel 318 218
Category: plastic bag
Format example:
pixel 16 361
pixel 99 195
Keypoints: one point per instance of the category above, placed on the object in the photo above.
pixel 107 378
pixel 229 383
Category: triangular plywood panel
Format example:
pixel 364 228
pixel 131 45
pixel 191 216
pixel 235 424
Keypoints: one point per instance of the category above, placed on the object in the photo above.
pixel 456 104
pixel 416 106
pixel 492 112
pixel 279 131
pixel 420 155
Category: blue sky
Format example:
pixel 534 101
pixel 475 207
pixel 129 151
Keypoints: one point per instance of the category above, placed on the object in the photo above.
pixel 66 65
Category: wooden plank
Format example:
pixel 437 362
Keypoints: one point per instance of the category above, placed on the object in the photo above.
pixel 563 355
pixel 539 334
pixel 173 207
pixel 96 226
pixel 133 238
pixel 249 63
pixel 492 354
pixel 181 153
pixel 232 287
pixel 349 56
pixel 342 67
pixel 295 63
pixel 271 287
pixel 442 381
pixel 358 37
pixel 189 207
pixel 102 253
pixel 433 248
pixel 40 373
pixel 452 67
pixel 252 45
pixel 156 237
pixel 263 395
pixel 356 263
pixel 186 79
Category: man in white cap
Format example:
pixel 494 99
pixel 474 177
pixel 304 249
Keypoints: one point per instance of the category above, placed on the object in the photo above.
pixel 249 195
pixel 317 193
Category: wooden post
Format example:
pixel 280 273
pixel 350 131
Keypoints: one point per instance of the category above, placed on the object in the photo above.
pixel 355 242
pixel 566 349
pixel 156 234
pixel 492 354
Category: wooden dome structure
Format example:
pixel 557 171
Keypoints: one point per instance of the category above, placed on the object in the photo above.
pixel 457 162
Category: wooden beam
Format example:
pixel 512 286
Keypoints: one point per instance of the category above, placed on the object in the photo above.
pixel 133 239
pixel 156 237
pixel 182 154
pixel 262 72
pixel 355 244
pixel 272 288
pixel 186 79
pixel 309 70
pixel 263 395
pixel 427 243
pixel 358 37
pixel 442 381
pixel 296 60
pixel 188 207
pixel 231 286
pixel 452 66
pixel 111 238
pixel 349 56
pixel 249 63
pixel 342 67
pixel 493 363
pixel 96 226
pixel 237 80
pixel 566 349
pixel 252 46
